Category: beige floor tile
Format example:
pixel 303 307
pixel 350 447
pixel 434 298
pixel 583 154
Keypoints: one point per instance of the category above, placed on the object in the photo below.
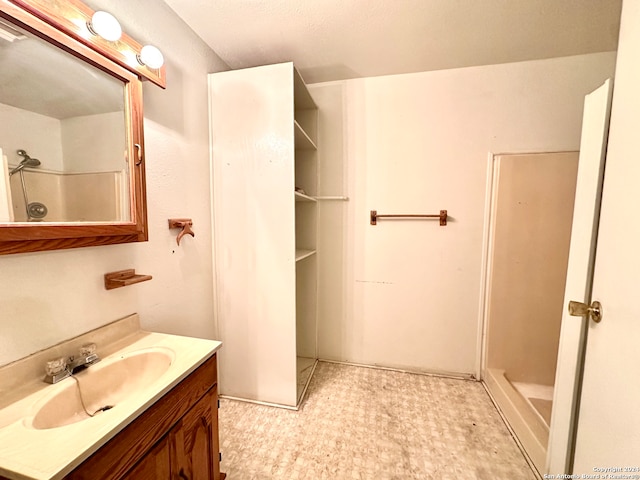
pixel 363 423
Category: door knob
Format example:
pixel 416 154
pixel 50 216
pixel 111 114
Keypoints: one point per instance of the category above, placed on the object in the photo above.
pixel 579 309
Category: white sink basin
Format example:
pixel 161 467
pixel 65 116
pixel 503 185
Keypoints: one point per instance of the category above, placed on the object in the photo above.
pixel 106 384
pixel 44 431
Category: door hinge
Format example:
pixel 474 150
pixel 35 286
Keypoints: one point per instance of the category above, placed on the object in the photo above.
pixel 220 456
pixel 218 403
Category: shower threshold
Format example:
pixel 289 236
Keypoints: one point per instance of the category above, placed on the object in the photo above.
pixel 525 420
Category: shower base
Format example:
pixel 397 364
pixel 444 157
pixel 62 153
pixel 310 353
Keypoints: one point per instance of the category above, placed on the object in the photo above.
pixel 539 396
pixel 526 421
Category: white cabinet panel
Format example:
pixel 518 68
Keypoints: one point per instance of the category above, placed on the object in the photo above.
pixel 255 130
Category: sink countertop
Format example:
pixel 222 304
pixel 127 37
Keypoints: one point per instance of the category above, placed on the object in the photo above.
pixel 28 453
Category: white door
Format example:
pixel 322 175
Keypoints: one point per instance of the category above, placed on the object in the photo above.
pixel 608 433
pixel 595 126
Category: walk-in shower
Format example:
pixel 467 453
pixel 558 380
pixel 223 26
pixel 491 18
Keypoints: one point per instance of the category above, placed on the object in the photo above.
pixel 36 211
pixel 530 231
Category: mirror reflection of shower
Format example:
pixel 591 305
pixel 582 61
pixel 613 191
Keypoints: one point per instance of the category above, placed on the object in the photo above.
pixel 27 161
pixel 36 211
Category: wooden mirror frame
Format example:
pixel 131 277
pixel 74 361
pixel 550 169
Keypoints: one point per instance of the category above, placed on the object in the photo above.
pixel 63 24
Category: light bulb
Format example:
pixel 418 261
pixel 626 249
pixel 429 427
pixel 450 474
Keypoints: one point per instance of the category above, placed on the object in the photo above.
pixel 151 57
pixel 105 25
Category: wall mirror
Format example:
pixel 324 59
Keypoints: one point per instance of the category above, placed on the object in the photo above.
pixel 71 139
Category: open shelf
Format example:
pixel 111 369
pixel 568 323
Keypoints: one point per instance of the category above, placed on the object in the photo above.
pixel 305 113
pixel 301 254
pixel 302 97
pixel 305 128
pixel 123 278
pixel 302 140
pixel 300 197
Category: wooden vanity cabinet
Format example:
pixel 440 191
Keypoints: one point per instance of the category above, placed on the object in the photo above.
pixel 186 452
pixel 156 464
pixel 176 438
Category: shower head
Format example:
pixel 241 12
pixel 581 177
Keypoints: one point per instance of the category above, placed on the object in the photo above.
pixel 27 161
pixel 30 162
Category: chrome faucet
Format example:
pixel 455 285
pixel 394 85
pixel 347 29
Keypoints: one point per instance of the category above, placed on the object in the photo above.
pixel 61 368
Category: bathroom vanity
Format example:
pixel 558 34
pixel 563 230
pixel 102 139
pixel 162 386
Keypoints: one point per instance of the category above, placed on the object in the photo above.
pixel 162 415
pixel 175 438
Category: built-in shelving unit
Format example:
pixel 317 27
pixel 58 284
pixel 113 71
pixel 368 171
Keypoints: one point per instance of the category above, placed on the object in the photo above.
pixel 265 236
pixel 306 173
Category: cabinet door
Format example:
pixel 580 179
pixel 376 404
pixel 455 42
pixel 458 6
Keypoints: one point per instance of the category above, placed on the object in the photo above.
pixel 154 465
pixel 195 440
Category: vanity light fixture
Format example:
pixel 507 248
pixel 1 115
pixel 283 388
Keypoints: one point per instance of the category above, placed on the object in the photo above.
pixel 105 25
pixel 151 57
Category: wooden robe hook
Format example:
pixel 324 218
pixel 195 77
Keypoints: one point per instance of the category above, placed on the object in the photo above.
pixel 185 224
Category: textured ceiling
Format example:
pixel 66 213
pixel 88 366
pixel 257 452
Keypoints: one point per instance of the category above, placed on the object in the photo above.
pixel 338 39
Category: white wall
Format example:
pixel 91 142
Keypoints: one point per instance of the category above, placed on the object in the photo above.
pixel 101 151
pixel 58 145
pixel 17 130
pixel 406 293
pixel 50 296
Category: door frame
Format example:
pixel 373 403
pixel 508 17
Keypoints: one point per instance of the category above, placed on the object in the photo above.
pixel 493 175
pixel 491 189
pixel 493 385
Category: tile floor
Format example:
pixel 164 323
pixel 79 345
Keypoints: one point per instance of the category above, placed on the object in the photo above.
pixel 364 423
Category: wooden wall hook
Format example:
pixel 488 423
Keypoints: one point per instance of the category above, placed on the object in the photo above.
pixel 185 224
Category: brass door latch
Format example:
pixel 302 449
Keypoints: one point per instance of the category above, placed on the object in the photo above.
pixel 579 309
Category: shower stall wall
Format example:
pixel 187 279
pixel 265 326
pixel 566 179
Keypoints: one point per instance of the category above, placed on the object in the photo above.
pixel 101 194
